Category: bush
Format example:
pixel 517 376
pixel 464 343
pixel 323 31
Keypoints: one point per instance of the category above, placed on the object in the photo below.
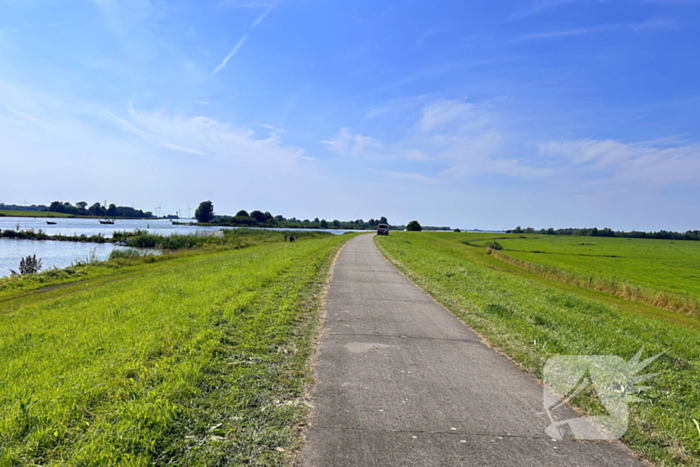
pixel 494 245
pixel 28 265
pixel 414 226
pixel 205 212
pixel 456 230
pixel 127 253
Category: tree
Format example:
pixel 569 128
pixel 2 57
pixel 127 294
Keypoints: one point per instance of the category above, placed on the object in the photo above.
pixel 205 212
pixel 82 205
pixel 457 230
pixel 414 226
pixel 324 224
pixel 242 213
pixel 96 210
pixel 56 206
pixel 112 211
pixel 382 220
pixel 258 216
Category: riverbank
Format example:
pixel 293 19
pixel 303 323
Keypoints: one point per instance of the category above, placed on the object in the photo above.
pixel 140 240
pixel 197 359
pixel 51 214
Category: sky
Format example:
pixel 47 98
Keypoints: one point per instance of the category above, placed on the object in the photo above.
pixel 473 114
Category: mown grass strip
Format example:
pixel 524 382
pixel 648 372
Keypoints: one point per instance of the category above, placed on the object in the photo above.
pixel 202 362
pixel 531 319
pixel 618 288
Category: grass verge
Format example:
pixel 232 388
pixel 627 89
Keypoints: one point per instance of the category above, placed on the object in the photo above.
pixel 531 319
pixel 202 360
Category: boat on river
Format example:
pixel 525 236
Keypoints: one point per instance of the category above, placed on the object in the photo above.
pixel 107 221
pixel 51 223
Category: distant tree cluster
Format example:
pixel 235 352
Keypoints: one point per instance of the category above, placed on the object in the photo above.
pixel 81 209
pixel 606 232
pixel 17 207
pixel 258 218
pixel 414 226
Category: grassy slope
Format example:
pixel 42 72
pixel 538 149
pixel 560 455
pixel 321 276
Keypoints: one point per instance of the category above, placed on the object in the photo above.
pixel 197 360
pixel 16 287
pixel 666 265
pixel 531 319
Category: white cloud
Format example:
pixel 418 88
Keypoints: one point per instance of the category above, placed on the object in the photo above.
pixel 244 38
pixel 347 143
pixel 538 7
pixel 635 27
pixel 262 16
pixel 409 176
pixel 416 156
pixel 236 48
pixel 210 138
pixel 175 147
pixel 441 113
pixel 273 129
pixel 628 163
pixel 124 14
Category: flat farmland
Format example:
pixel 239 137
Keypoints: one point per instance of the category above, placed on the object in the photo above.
pixel 666 265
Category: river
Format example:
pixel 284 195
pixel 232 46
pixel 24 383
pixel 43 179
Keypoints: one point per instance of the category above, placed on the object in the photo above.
pixel 63 254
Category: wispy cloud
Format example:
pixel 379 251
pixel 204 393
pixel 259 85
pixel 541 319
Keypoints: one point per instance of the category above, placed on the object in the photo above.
pixel 347 143
pixel 176 147
pixel 636 27
pixel 416 156
pixel 443 112
pixel 124 14
pixel 210 138
pixel 273 129
pixel 409 176
pixel 244 38
pixel 236 48
pixel 639 163
pixel 540 6
pixel 262 16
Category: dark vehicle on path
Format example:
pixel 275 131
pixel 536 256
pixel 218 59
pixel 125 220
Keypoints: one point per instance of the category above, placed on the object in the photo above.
pixel 383 229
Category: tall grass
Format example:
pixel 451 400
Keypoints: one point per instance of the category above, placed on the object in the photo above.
pixel 619 288
pixel 201 361
pixel 532 319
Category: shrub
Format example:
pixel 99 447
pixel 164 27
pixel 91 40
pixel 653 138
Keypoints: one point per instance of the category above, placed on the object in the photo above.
pixel 414 226
pixel 127 253
pixel 28 265
pixel 493 244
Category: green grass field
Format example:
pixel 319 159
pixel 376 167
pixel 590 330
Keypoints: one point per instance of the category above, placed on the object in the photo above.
pixel 665 265
pixel 531 318
pixel 32 214
pixel 199 359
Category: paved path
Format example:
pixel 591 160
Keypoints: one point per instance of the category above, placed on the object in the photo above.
pixel 402 382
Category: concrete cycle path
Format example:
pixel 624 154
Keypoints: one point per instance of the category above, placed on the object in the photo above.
pixel 402 382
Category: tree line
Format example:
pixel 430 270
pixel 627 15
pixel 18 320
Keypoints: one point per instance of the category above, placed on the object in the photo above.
pixel 81 209
pixel 607 232
pixel 205 214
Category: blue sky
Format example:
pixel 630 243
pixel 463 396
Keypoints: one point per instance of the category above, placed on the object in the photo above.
pixel 472 114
